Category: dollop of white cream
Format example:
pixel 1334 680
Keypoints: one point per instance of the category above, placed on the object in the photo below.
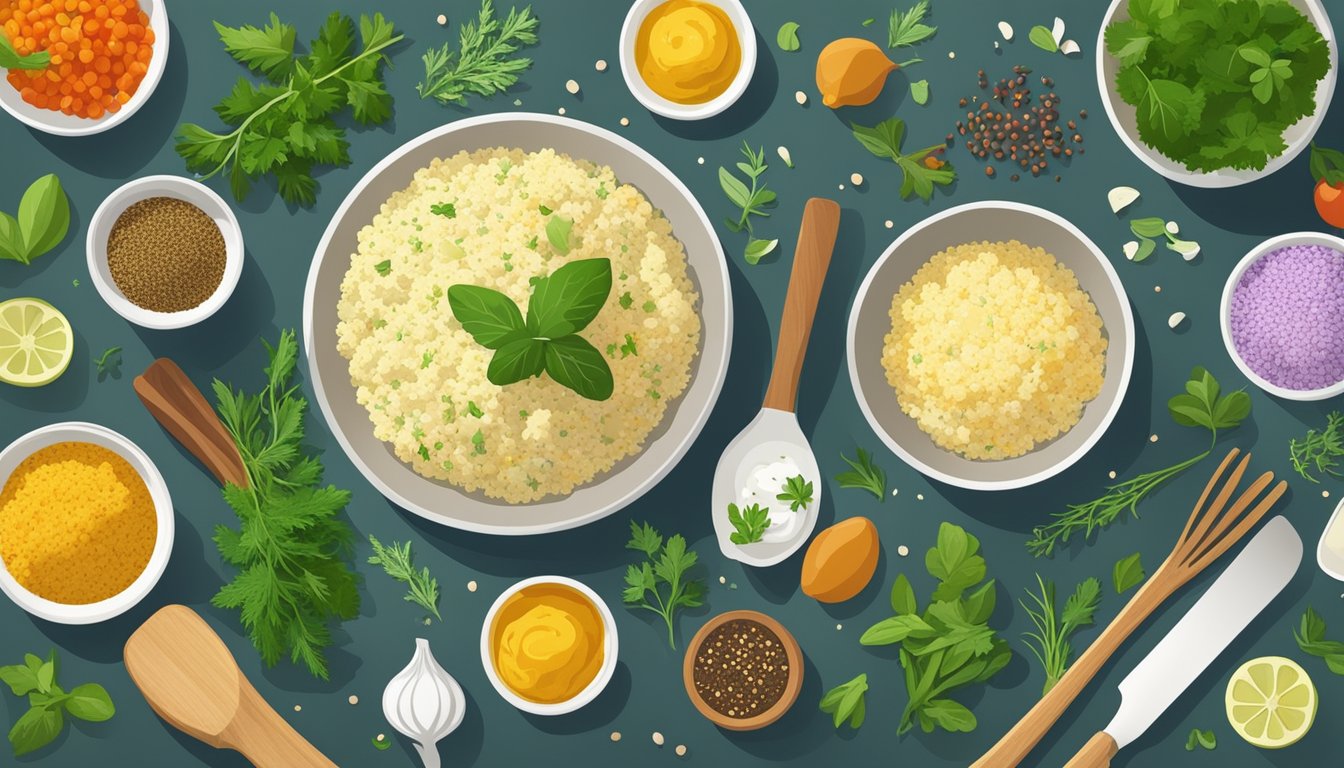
pixel 764 484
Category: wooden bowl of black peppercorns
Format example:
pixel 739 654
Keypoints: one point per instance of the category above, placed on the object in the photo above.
pixel 743 670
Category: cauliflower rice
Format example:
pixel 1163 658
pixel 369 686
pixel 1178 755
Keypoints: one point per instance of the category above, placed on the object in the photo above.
pixel 994 349
pixel 423 378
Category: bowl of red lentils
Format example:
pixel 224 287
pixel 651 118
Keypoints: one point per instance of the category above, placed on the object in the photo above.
pixel 164 252
pixel 88 64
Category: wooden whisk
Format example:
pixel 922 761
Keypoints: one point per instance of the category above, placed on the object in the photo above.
pixel 1212 529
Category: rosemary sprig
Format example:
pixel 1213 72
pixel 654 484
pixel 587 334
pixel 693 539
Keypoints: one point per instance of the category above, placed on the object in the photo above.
pixel 396 560
pixel 1320 451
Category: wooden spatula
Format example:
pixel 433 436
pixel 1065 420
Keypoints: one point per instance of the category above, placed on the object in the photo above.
pixel 190 679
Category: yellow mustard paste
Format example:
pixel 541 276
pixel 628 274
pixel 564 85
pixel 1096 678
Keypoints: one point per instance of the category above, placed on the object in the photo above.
pixel 687 51
pixel 548 643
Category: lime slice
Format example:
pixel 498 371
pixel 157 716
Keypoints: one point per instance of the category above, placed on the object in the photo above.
pixel 36 343
pixel 1271 702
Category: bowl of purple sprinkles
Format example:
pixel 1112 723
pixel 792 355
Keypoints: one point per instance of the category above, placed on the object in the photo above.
pixel 1283 316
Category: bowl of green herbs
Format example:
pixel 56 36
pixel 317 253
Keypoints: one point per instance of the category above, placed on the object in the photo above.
pixel 1216 93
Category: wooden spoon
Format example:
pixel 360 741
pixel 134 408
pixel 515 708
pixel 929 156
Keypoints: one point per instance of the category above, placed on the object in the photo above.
pixel 191 681
pixel 180 407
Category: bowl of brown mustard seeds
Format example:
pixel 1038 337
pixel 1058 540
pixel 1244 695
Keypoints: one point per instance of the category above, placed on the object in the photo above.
pixel 743 670
pixel 165 252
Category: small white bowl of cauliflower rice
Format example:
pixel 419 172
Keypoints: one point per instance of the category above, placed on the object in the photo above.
pixel 991 345
pixel 518 324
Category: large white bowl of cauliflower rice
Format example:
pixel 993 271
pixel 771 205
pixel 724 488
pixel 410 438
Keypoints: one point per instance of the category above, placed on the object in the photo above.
pixel 991 345
pixel 501 203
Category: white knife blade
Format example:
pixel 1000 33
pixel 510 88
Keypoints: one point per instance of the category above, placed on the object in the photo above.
pixel 1248 585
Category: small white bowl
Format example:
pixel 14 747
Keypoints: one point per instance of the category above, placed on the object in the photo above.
pixel 60 124
pixel 180 188
pixel 1225 313
pixel 610 648
pixel 1123 115
pixel 82 432
pixel 1330 561
pixel 746 38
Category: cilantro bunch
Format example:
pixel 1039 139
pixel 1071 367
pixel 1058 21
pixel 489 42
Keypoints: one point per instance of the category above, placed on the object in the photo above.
pixel 949 644
pixel 1215 83
pixel 284 125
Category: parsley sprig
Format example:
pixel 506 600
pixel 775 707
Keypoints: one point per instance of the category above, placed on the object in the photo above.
pixel 397 562
pixel 921 171
pixel 749 523
pixel 752 198
pixel 290 544
pixel 667 565
pixel 547 340
pixel 1201 405
pixel 284 126
pixel 797 492
pixel 482 64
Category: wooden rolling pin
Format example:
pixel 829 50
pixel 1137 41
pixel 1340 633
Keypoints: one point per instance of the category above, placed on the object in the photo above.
pixel 191 681
pixel 179 406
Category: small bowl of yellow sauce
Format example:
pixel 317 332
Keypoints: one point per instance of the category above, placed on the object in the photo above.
pixel 687 59
pixel 86 523
pixel 549 645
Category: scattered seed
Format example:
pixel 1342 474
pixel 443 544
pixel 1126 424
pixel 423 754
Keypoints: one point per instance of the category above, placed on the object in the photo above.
pixel 561 110
pixel 681 750
pixel 996 45
pixel 442 19
pixel 1325 494
pixel 353 700
pixel 1157 289
pixel 951 54
pixel 785 155
pixel 1176 319
pixel 601 65
pixel 298 708
pixel 989 171
pixel 625 121
pixel 572 86
pixel 615 735
pixel 856 179
pixel 894 491
pixel 658 738
pixel 903 550
pixel 919 496
pixel 1152 438
pixel 1111 474
pixel 700 160
pixel 800 97
pixel 471 585
pixel 842 186
pixel 838 627
pixel 723 580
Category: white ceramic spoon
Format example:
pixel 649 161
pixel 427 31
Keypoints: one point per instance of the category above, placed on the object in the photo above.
pixel 775 431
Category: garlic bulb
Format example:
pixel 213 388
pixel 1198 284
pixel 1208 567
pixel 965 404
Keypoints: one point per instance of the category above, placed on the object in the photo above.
pixel 424 703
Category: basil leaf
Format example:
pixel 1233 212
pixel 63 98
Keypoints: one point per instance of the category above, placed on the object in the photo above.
pixel 44 216
pixel 489 316
pixel 11 240
pixel 1146 248
pixel 10 58
pixel 1043 38
pixel 757 249
pixel 948 714
pixel 903 600
pixel 979 605
pixel 36 729
pixel 1128 573
pixel 787 38
pixel 557 232
pixel 90 702
pixel 883 139
pixel 576 364
pixel 895 629
pixel 515 361
pixel 568 300
pixel 20 679
pixel 1149 227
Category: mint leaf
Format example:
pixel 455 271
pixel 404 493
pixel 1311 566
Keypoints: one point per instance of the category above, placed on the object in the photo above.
pixel 517 360
pixel 90 702
pixel 1127 573
pixel 570 298
pixel 489 316
pixel 35 729
pixel 576 364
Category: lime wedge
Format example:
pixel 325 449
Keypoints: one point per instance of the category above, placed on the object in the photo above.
pixel 1271 702
pixel 36 343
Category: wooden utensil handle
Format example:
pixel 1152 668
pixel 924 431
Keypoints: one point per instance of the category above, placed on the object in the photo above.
pixel 1018 742
pixel 1096 753
pixel 179 406
pixel 811 259
pixel 266 739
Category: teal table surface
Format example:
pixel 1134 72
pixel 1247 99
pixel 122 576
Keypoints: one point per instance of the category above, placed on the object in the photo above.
pixel 646 694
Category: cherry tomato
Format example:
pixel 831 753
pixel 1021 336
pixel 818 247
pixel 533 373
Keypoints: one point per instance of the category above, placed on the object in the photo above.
pixel 1330 203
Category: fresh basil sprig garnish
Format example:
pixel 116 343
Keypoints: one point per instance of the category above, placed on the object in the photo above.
pixel 546 341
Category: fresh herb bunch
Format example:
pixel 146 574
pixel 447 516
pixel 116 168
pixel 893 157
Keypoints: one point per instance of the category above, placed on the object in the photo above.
pixel 1310 637
pixel 291 544
pixel 10 58
pixel 950 644
pixel 397 562
pixel 748 523
pixel 1201 405
pixel 846 702
pixel 49 703
pixel 667 565
pixel 908 28
pixel 547 340
pixel 1128 573
pixel 284 126
pixel 864 475
pixel 42 222
pixel 1320 451
pixel 797 492
pixel 482 64
pixel 753 200
pixel 1050 642
pixel 921 171
pixel 1215 83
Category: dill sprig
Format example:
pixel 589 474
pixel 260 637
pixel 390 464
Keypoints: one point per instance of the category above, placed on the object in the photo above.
pixel 290 544
pixel 396 560
pixel 1050 642
pixel 1320 450
pixel 482 63
pixel 1200 405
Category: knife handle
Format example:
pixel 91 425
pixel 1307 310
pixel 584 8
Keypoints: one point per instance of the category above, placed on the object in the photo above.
pixel 1096 753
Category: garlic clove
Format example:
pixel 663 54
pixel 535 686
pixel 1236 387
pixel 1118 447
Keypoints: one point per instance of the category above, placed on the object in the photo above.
pixel 424 703
pixel 1131 248
pixel 1057 31
pixel 1069 47
pixel 785 156
pixel 1121 198
pixel 1006 30
pixel 1176 319
pixel 1173 228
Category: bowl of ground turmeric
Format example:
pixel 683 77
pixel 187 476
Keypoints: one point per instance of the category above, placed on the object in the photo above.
pixel 86 523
